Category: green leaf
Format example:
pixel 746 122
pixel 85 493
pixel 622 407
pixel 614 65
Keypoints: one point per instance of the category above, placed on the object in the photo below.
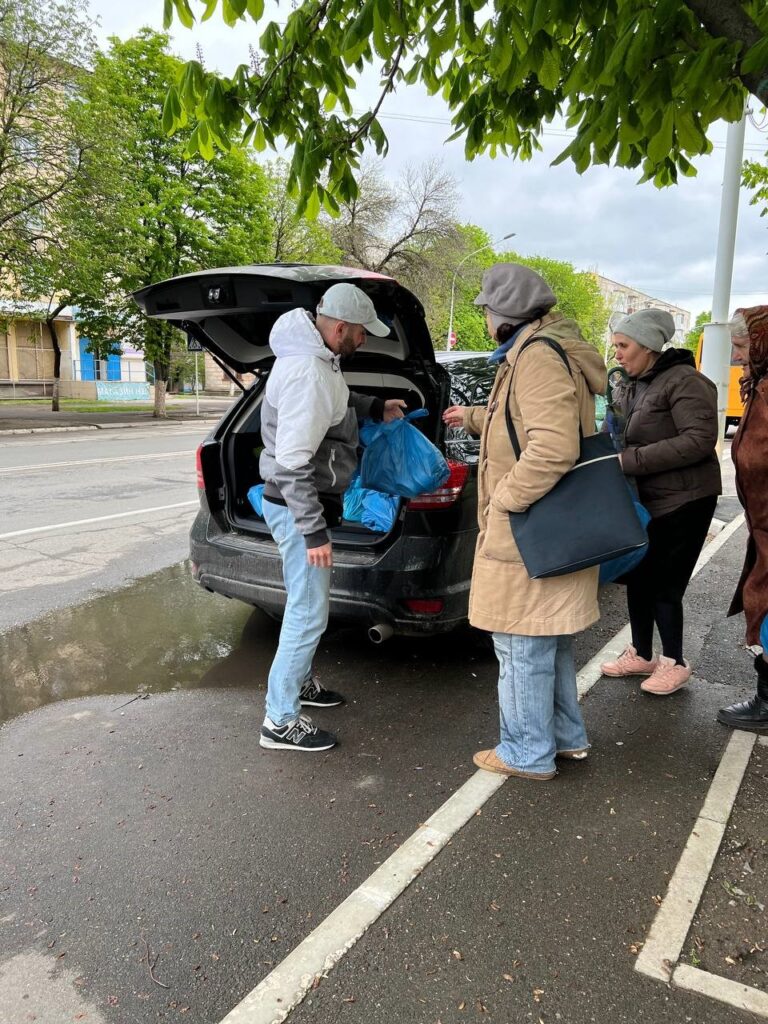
pixel 210 7
pixel 256 9
pixel 756 58
pixel 312 208
pixel 660 145
pixel 540 16
pixel 167 14
pixel 689 135
pixel 169 111
pixel 259 140
pixel 184 11
pixel 549 69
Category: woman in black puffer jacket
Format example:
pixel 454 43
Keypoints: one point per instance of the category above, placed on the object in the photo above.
pixel 670 433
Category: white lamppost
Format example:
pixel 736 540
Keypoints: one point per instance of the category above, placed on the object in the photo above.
pixel 715 355
pixel 453 282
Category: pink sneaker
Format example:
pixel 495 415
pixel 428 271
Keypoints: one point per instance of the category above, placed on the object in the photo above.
pixel 629 664
pixel 667 678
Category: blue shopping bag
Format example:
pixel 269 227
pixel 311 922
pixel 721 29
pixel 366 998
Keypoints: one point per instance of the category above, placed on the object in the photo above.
pixel 617 567
pixel 379 511
pixel 372 509
pixel 400 460
pixel 764 635
pixel 256 498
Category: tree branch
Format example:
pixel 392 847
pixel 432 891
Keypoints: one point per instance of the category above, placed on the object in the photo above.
pixel 727 19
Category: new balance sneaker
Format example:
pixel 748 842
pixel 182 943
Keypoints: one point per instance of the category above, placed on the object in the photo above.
pixel 313 695
pixel 629 664
pixel 299 734
pixel 667 678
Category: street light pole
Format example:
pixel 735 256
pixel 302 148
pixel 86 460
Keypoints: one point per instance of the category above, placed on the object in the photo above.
pixel 453 282
pixel 715 356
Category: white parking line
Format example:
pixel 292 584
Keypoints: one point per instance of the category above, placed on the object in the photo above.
pixel 286 986
pixel 743 997
pixel 95 519
pixel 93 462
pixel 672 923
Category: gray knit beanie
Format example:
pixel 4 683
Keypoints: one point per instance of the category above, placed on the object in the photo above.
pixel 651 328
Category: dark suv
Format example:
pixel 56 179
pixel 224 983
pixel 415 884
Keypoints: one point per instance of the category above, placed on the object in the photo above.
pixel 411 580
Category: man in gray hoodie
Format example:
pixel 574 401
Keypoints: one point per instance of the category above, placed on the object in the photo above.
pixel 309 425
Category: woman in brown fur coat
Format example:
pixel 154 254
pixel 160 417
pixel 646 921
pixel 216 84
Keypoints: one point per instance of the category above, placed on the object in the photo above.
pixel 749 335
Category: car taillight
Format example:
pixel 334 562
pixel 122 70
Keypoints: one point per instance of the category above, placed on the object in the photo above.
pixel 445 495
pixel 424 606
pixel 199 469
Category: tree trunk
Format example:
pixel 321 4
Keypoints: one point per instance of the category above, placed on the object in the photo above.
pixel 160 389
pixel 51 325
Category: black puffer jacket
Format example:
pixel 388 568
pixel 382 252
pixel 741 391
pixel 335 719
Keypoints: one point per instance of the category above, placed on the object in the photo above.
pixel 671 434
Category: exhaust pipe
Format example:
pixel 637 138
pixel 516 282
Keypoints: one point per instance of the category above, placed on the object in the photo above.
pixel 379 633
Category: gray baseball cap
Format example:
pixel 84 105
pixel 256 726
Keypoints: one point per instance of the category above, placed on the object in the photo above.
pixel 349 303
pixel 514 294
pixel 651 328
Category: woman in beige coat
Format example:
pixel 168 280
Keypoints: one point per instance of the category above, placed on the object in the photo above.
pixel 532 621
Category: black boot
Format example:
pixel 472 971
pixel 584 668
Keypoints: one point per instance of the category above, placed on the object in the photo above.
pixel 750 714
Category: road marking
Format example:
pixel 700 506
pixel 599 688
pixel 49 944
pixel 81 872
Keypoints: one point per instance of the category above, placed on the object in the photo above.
pixel 93 462
pixel 743 997
pixel 96 519
pixel 286 986
pixel 672 923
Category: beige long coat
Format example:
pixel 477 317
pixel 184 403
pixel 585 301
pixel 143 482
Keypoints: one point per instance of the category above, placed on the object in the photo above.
pixel 546 404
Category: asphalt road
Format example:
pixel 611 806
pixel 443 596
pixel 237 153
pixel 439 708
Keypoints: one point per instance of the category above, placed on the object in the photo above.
pixel 157 864
pixel 51 484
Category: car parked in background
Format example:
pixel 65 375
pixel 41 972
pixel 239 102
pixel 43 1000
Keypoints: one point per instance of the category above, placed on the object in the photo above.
pixel 413 579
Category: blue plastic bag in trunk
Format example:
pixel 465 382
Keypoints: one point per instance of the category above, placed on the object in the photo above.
pixel 400 460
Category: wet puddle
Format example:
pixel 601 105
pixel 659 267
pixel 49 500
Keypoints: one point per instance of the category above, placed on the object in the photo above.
pixel 162 633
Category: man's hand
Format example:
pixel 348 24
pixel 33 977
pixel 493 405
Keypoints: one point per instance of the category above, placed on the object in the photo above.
pixel 454 416
pixel 322 557
pixel 393 409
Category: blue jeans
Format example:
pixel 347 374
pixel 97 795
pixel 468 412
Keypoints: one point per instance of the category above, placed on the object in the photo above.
pixel 538 701
pixel 304 621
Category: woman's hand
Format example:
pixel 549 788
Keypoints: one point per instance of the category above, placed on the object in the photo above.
pixel 454 416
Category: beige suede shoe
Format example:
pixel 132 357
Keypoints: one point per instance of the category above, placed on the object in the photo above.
pixel 629 664
pixel 668 678
pixel 489 761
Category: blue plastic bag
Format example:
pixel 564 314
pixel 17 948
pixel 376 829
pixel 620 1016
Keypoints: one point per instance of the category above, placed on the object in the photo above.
pixel 379 511
pixel 610 571
pixel 400 460
pixel 372 509
pixel 353 500
pixel 256 498
pixel 764 635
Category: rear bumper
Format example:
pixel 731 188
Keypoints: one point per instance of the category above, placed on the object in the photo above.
pixel 366 589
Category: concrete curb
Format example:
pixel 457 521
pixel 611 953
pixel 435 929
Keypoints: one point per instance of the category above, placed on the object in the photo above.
pixel 170 421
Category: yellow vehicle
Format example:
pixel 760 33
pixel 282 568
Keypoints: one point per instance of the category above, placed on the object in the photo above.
pixel 735 407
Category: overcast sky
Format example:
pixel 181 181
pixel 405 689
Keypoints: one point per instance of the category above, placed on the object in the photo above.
pixel 659 241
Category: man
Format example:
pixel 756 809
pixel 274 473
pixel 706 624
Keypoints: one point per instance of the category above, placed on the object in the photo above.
pixel 309 427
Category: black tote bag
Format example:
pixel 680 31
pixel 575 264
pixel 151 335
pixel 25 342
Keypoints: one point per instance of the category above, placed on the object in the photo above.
pixel 587 518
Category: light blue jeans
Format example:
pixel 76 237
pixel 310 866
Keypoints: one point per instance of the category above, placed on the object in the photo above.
pixel 304 621
pixel 538 701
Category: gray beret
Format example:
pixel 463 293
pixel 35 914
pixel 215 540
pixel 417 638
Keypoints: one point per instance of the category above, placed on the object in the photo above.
pixel 513 294
pixel 651 328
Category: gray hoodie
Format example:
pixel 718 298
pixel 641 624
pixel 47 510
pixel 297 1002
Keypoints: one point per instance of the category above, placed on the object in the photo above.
pixel 309 423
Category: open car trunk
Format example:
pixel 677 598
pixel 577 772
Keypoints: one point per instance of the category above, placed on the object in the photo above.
pixel 231 312
pixel 242 445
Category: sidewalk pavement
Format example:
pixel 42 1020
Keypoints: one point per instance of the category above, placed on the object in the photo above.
pixel 38 418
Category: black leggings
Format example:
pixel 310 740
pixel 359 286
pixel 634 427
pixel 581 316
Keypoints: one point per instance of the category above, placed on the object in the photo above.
pixel 655 589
